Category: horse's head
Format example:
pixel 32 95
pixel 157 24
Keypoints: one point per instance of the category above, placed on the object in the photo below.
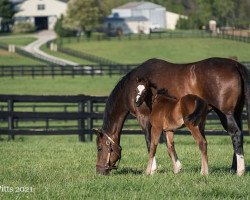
pixel 142 88
pixel 108 153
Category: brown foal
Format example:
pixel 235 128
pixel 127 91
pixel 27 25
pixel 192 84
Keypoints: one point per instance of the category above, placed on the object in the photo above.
pixel 167 114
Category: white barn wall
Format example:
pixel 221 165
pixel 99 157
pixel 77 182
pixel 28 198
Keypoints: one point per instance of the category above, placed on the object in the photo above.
pixel 53 10
pixel 172 19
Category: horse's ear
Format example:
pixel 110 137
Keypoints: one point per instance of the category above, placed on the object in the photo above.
pixel 98 132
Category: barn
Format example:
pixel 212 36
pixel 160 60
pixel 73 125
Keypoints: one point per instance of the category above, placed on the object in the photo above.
pixel 42 13
pixel 136 17
pixel 140 17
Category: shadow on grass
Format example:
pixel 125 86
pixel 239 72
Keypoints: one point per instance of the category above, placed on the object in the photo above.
pixel 128 170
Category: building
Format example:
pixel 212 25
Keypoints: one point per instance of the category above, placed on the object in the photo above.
pixel 140 17
pixel 136 17
pixel 172 19
pixel 42 13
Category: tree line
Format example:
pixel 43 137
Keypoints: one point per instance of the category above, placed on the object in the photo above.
pixel 234 13
pixel 88 14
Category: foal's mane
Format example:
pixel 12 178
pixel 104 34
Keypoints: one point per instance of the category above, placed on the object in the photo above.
pixel 165 93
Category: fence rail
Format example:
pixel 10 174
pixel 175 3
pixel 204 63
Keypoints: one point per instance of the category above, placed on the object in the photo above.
pixel 83 70
pixel 43 121
pixel 155 35
pixel 55 70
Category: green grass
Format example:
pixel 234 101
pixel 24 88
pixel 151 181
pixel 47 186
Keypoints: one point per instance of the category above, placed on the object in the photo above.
pixel 60 167
pixel 7 58
pixel 19 41
pixel 65 56
pixel 172 49
pixel 99 85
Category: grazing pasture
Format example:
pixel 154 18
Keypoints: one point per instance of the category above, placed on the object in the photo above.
pixel 7 58
pixel 17 40
pixel 60 167
pixel 174 50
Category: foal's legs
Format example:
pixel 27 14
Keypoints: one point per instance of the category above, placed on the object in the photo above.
pixel 171 151
pixel 202 143
pixel 146 127
pixel 155 136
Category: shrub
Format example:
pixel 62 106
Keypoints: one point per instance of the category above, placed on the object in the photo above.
pixel 24 27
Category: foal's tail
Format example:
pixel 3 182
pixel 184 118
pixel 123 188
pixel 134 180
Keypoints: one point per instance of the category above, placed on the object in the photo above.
pixel 199 114
pixel 245 75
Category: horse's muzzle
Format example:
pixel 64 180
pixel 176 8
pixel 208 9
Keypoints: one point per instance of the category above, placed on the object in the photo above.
pixel 138 102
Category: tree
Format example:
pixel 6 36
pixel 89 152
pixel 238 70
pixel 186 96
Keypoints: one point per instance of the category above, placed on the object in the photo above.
pixel 223 11
pixel 84 15
pixel 7 12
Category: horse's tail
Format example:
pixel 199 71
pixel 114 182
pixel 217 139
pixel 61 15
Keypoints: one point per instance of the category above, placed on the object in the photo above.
pixel 199 113
pixel 244 73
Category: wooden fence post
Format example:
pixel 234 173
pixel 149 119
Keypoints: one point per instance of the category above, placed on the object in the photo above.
pixel 89 120
pixel 81 123
pixel 10 119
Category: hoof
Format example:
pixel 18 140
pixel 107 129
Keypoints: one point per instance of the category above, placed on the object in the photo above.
pixel 204 173
pixel 178 167
pixel 150 172
pixel 241 173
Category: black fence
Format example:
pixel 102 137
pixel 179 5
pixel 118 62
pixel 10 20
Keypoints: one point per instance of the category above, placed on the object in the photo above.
pixel 56 70
pixel 69 115
pixel 72 71
pixel 155 35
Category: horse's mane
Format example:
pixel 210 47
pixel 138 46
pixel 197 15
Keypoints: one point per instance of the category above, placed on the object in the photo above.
pixel 112 103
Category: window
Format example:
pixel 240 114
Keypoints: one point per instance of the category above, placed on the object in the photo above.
pixel 40 7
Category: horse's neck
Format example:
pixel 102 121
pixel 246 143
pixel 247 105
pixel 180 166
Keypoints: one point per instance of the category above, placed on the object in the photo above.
pixel 114 116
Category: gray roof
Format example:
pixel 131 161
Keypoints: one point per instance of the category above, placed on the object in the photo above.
pixel 140 5
pixel 133 18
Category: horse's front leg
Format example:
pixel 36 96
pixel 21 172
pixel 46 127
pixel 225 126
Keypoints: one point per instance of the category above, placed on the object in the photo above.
pixel 155 136
pixel 172 153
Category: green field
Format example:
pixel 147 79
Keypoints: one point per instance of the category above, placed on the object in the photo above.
pixel 7 58
pixel 174 50
pixel 99 85
pixel 17 40
pixel 60 167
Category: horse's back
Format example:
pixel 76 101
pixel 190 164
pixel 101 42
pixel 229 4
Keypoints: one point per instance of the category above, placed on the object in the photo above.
pixel 217 80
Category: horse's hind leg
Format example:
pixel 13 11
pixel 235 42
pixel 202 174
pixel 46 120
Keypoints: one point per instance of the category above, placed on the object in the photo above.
pixel 202 143
pixel 171 151
pixel 237 139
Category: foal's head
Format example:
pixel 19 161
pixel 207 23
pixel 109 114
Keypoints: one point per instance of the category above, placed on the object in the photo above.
pixel 141 90
pixel 144 91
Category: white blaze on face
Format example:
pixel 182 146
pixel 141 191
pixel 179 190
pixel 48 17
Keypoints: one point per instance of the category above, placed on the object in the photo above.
pixel 140 89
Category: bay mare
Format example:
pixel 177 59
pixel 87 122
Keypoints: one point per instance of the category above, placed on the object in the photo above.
pixel 223 83
pixel 167 113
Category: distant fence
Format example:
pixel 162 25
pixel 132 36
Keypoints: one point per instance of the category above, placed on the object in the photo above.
pixel 156 35
pixel 72 71
pixel 56 70
pixel 68 115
